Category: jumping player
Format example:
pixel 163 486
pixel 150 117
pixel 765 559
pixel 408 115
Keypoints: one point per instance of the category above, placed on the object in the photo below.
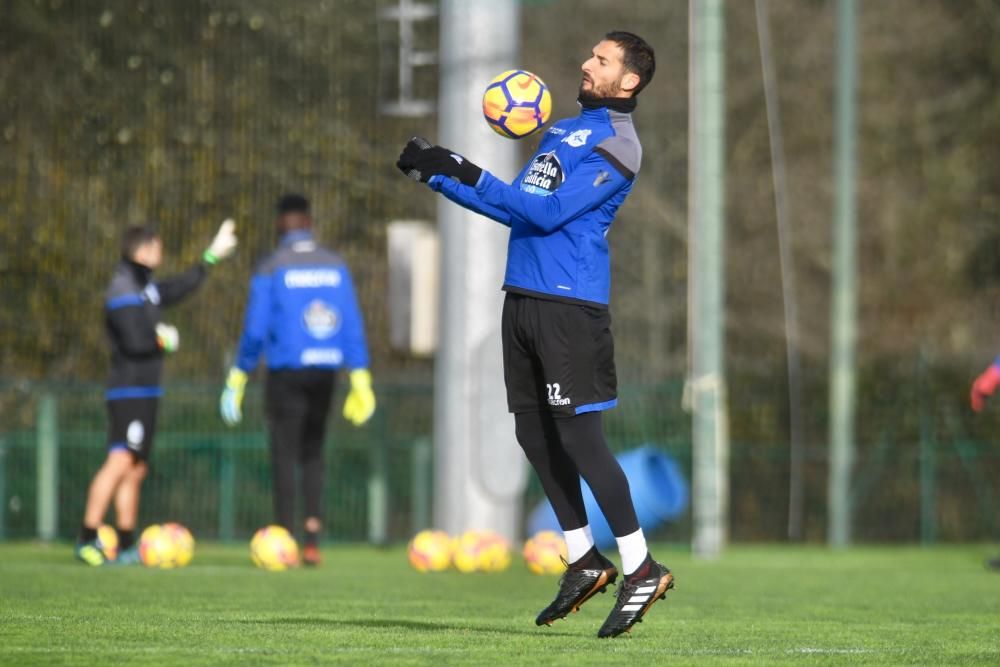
pixel 139 341
pixel 556 328
pixel 303 315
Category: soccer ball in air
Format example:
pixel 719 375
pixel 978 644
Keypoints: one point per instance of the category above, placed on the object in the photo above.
pixel 166 546
pixel 430 551
pixel 107 541
pixel 545 553
pixel 516 104
pixel 273 548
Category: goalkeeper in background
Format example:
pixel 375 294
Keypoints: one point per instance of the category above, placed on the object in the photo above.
pixel 302 314
pixel 139 341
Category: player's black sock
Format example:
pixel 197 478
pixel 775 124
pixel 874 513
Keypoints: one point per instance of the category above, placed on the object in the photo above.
pixel 87 534
pixel 312 539
pixel 126 538
pixel 643 570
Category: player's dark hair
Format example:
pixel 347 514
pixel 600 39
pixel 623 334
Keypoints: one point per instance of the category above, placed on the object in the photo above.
pixel 292 203
pixel 637 56
pixel 136 236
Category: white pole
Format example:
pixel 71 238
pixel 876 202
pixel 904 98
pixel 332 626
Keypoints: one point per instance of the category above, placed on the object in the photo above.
pixel 706 211
pixel 480 471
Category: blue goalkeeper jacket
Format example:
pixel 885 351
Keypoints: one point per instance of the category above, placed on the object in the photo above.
pixel 561 206
pixel 302 311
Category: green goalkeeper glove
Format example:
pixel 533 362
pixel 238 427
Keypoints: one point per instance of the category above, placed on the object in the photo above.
pixel 231 401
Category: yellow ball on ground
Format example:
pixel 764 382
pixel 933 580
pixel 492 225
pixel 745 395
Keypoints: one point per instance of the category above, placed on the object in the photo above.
pixel 468 551
pixel 273 548
pixel 166 546
pixel 107 541
pixel 494 553
pixel 430 551
pixel 183 543
pixel 545 553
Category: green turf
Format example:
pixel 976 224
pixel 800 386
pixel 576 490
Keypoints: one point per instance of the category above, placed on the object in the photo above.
pixel 756 605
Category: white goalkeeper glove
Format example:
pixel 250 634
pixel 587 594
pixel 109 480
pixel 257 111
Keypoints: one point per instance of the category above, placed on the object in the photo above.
pixel 223 244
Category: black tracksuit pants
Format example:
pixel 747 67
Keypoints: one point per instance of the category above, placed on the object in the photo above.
pixel 297 403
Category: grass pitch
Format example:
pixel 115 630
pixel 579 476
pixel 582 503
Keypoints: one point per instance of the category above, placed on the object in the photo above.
pixel 757 605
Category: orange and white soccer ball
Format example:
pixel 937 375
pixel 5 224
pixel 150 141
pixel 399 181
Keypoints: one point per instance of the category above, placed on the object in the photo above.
pixel 107 541
pixel 273 548
pixel 545 553
pixel 430 551
pixel 166 546
pixel 516 104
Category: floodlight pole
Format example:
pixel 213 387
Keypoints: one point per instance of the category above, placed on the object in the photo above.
pixel 706 266
pixel 479 470
pixel 843 317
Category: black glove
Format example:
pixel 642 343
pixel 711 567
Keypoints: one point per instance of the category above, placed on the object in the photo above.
pixel 419 160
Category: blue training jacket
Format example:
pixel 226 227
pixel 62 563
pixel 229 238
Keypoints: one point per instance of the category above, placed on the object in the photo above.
pixel 302 311
pixel 561 205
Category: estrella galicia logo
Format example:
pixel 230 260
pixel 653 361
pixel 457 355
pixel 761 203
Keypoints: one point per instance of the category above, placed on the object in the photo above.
pixel 321 319
pixel 545 174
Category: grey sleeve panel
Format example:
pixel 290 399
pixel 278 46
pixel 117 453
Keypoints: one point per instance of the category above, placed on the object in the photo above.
pixel 622 149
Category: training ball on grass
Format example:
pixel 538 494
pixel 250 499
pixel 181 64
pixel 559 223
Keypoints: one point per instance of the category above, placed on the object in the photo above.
pixel 107 541
pixel 273 548
pixel 430 551
pixel 467 554
pixel 494 553
pixel 545 553
pixel 166 546
pixel 481 551
pixel 183 542
pixel 516 104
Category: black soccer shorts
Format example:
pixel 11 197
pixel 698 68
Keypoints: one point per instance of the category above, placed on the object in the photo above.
pixel 132 425
pixel 557 356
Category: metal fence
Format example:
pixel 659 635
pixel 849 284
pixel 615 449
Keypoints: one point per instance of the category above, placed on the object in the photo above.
pixel 922 473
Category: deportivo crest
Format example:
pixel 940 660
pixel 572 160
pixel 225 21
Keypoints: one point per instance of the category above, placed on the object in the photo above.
pixel 321 319
pixel 578 138
pixel 544 175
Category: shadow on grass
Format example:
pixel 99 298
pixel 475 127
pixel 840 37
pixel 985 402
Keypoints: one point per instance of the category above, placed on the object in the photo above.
pixel 401 624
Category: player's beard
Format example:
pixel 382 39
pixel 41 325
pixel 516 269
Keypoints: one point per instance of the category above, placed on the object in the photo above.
pixel 596 92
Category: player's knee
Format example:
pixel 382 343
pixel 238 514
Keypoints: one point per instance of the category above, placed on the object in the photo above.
pixel 137 472
pixel 529 435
